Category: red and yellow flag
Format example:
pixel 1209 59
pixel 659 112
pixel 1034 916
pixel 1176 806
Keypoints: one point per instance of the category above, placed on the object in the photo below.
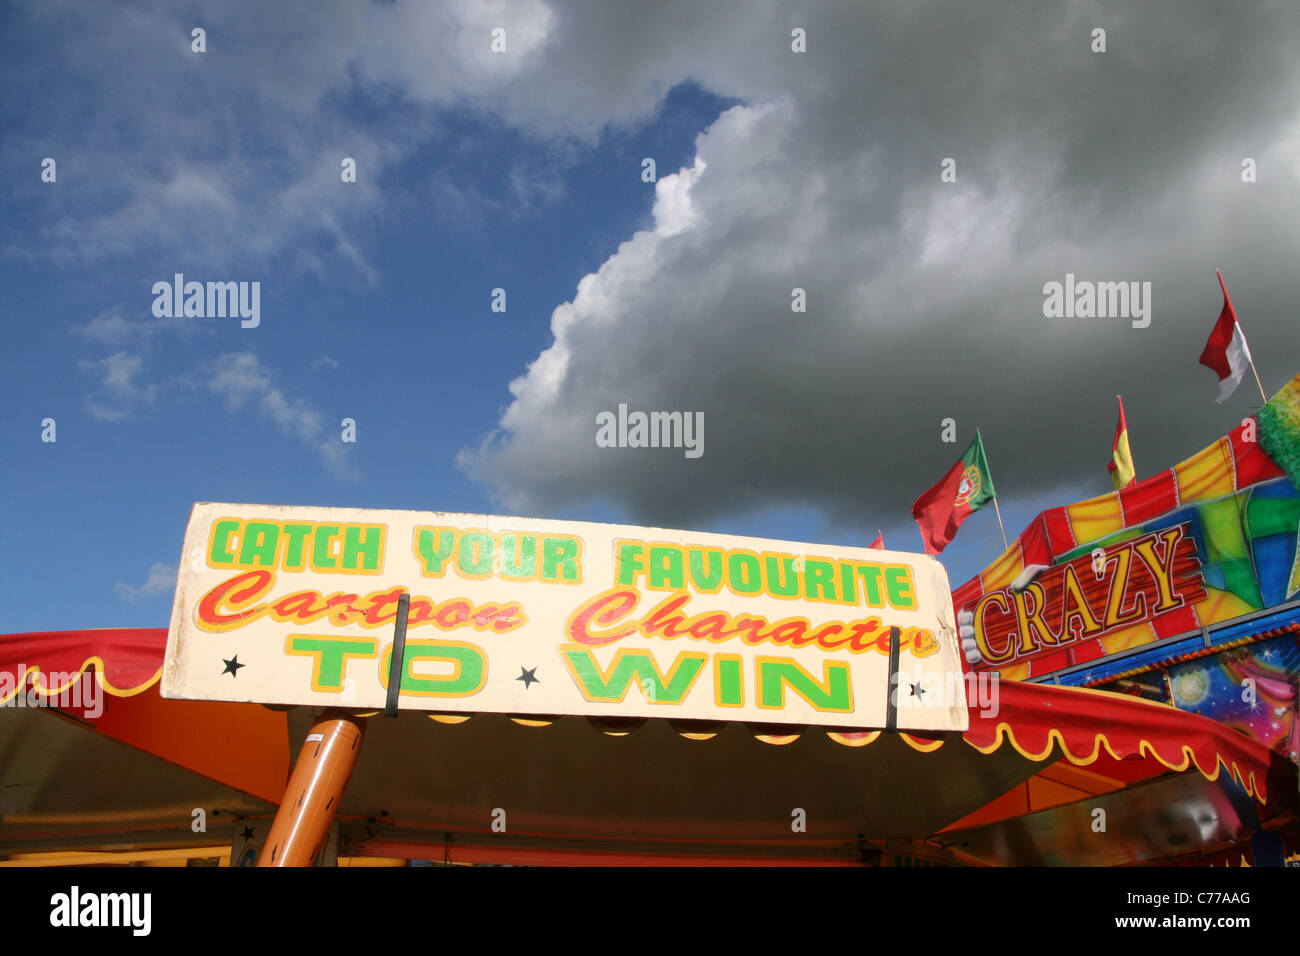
pixel 1120 465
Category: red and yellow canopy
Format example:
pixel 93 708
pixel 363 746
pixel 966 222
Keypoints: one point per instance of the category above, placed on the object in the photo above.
pixel 656 789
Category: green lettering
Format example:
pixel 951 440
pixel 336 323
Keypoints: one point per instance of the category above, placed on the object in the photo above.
pixel 560 560
pixel 778 567
pixel 354 546
pixel 848 584
pixel 320 552
pixel 744 573
pixel 220 541
pixel 819 580
pixel 729 682
pixel 706 580
pixel 871 582
pixel 474 558
pixel 832 693
pixel 434 557
pixel 629 562
pixel 294 536
pixel 522 553
pixel 635 667
pixel 331 654
pixel 261 539
pixel 666 567
pixel 467 678
pixel 898 585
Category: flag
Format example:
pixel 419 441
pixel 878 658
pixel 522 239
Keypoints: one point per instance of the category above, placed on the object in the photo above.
pixel 1226 353
pixel 1120 465
pixel 879 543
pixel 966 488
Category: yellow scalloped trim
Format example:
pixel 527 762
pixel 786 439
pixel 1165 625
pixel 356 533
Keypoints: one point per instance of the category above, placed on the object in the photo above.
pixel 80 673
pixel 533 721
pixel 1004 733
pixel 924 746
pixel 847 742
pixel 777 740
pixel 449 718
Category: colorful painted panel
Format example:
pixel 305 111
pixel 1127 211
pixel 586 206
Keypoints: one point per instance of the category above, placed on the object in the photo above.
pixel 1251 689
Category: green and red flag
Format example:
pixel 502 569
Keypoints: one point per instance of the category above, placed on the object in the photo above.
pixel 965 489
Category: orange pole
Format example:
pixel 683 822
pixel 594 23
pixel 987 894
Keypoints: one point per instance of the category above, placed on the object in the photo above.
pixel 315 789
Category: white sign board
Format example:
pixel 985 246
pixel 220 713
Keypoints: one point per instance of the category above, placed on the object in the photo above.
pixel 288 605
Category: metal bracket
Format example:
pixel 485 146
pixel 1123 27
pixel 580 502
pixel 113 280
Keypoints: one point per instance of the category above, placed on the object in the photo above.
pixel 891 699
pixel 396 666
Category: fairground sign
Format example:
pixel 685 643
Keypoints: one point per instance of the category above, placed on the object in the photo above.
pixel 518 616
pixel 1092 596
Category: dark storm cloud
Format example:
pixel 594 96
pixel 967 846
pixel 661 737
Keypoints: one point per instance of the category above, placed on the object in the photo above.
pixel 925 299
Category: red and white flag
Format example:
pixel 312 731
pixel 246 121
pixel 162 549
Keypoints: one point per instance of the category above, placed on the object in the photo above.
pixel 1226 353
pixel 879 543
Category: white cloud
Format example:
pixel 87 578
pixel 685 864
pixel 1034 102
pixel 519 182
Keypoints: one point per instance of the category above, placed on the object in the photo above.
pixel 240 379
pixel 162 579
pixel 113 328
pixel 673 212
pixel 119 396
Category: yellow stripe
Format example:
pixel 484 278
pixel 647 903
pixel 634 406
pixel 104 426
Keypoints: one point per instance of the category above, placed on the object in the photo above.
pixel 1207 474
pixel 1095 518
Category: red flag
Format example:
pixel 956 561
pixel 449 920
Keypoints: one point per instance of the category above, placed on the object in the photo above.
pixel 1226 353
pixel 879 543
pixel 966 488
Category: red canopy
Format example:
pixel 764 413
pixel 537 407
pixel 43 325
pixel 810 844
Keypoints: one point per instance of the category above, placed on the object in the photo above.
pixel 1047 748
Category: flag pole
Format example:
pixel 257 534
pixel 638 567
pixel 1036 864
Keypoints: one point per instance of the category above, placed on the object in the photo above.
pixel 1262 397
pixel 1249 356
pixel 997 510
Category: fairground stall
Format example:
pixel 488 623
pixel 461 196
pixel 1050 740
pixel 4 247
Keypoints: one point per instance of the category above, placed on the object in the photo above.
pixel 1182 589
pixel 350 686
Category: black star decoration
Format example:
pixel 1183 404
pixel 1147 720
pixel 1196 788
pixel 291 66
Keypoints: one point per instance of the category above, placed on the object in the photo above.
pixel 232 666
pixel 248 833
pixel 917 690
pixel 528 676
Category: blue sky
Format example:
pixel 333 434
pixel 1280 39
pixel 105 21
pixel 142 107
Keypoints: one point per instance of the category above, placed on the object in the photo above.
pixel 522 171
